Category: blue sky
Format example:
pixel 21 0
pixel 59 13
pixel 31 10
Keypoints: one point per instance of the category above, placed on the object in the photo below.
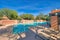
pixel 31 6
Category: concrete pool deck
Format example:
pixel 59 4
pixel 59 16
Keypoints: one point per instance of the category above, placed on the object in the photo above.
pixel 30 34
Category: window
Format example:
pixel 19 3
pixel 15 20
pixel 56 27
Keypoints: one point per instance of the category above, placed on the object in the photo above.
pixel 58 14
pixel 54 14
pixel 51 14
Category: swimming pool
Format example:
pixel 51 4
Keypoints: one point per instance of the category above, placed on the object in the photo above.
pixel 19 28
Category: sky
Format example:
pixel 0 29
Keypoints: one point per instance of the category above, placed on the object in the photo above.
pixel 31 6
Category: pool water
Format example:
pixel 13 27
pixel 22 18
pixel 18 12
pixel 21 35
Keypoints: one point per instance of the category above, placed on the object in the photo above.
pixel 19 28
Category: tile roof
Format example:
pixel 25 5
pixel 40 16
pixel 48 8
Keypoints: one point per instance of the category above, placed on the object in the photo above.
pixel 54 11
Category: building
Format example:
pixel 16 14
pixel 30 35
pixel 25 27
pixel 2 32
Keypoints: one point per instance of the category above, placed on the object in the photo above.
pixel 55 19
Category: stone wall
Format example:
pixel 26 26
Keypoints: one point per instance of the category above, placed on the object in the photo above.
pixel 31 21
pixel 41 20
pixel 8 22
pixel 27 21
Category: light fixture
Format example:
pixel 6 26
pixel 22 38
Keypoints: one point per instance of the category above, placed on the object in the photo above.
pixel 56 14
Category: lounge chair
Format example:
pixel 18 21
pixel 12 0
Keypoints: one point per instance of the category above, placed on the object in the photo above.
pixel 53 31
pixel 44 35
pixel 16 36
pixel 41 37
pixel 21 36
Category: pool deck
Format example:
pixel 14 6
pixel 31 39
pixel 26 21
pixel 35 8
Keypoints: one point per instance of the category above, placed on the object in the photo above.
pixel 30 35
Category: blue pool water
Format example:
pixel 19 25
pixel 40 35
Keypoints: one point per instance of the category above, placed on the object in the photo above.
pixel 19 28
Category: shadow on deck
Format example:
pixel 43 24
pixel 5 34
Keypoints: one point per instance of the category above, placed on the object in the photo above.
pixel 30 35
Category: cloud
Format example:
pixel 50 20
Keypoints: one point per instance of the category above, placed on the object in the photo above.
pixel 30 6
pixel 35 14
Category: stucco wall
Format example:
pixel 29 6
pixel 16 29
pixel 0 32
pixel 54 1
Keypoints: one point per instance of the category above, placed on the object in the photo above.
pixel 54 22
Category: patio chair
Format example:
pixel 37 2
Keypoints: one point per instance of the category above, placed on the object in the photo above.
pixel 53 31
pixel 40 36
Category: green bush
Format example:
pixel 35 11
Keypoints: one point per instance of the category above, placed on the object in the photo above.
pixel 27 16
pixel 11 14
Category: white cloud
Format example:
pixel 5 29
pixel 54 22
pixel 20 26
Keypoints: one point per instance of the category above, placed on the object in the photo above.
pixel 35 14
pixel 27 7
